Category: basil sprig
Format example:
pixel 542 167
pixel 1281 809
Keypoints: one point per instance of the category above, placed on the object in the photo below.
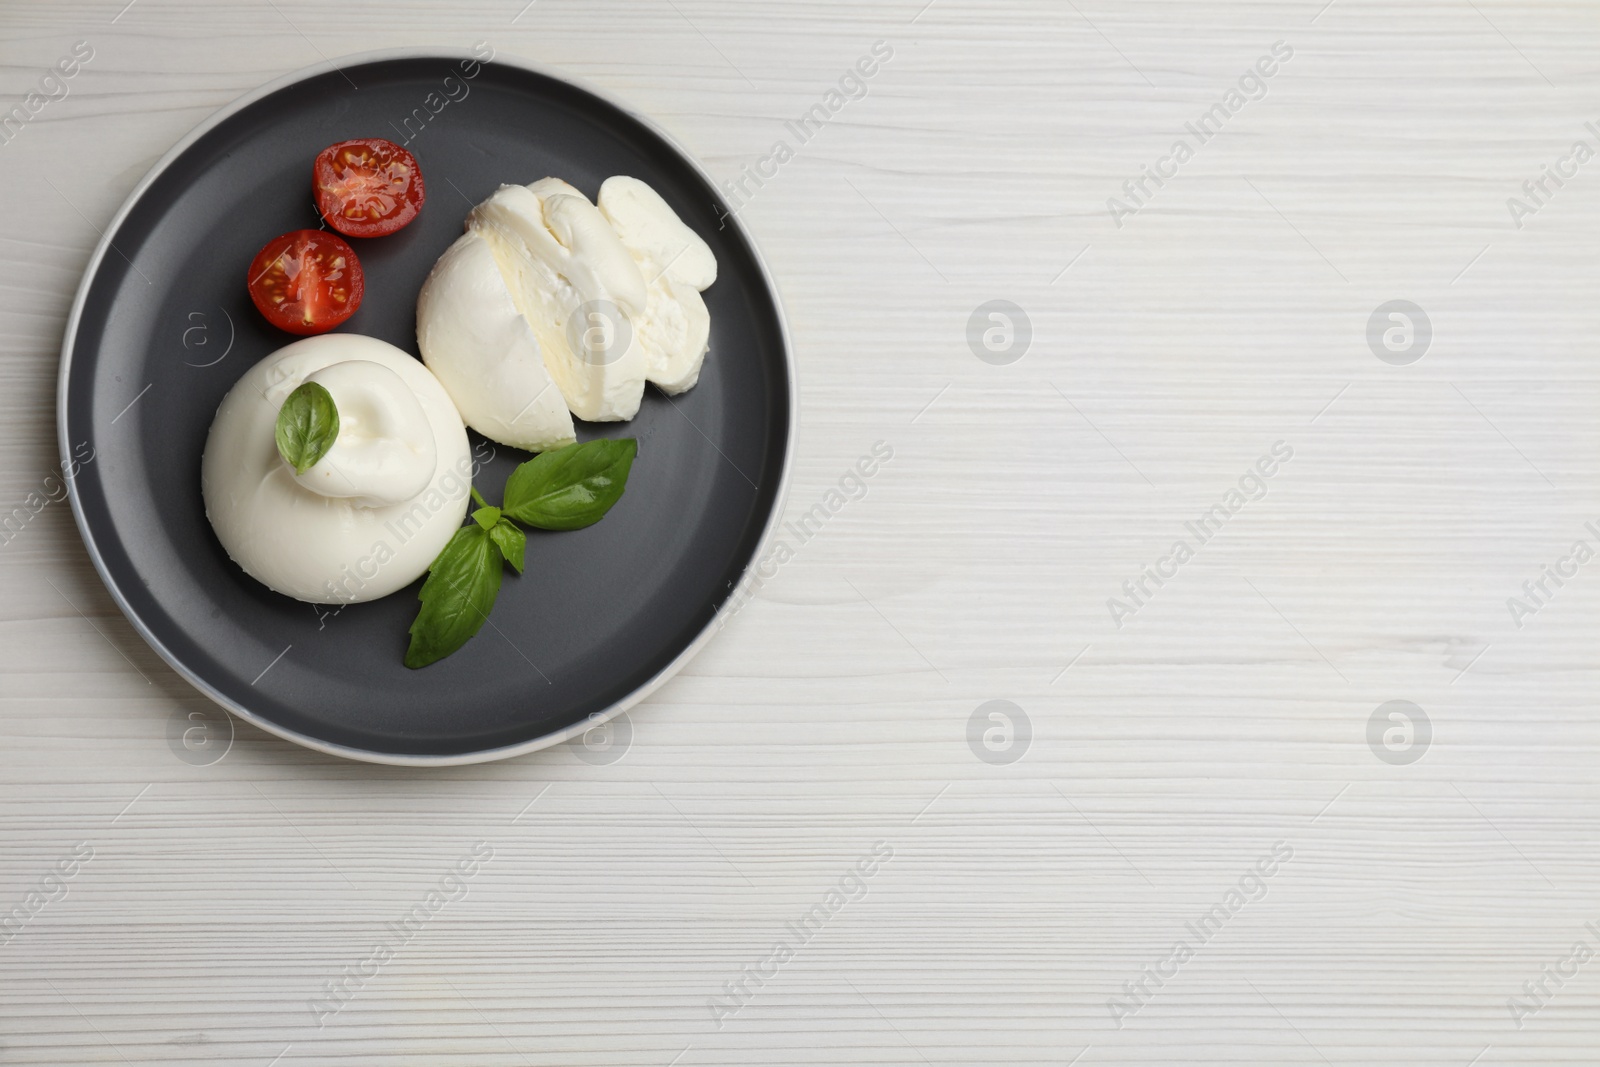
pixel 308 424
pixel 566 489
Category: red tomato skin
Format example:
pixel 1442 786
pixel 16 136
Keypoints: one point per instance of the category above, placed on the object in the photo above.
pixel 331 189
pixel 278 315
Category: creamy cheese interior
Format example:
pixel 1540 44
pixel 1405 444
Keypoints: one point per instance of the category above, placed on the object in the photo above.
pixel 677 266
pixel 583 286
pixel 372 514
pixel 603 297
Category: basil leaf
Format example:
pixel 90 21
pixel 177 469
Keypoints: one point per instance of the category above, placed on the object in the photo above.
pixel 511 541
pixel 486 517
pixel 457 597
pixel 572 487
pixel 308 424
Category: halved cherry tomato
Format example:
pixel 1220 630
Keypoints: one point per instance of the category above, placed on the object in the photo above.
pixel 367 188
pixel 306 281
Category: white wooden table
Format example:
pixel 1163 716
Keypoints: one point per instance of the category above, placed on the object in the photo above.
pixel 1162 760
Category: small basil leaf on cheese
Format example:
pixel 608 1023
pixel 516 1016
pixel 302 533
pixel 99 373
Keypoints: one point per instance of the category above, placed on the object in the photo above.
pixel 571 487
pixel 308 424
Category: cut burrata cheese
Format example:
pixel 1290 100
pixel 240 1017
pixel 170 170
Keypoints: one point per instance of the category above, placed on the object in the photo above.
pixel 608 295
pixel 483 349
pixel 572 274
pixel 677 266
pixel 370 516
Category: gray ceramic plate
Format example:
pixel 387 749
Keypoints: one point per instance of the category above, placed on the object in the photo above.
pixel 162 327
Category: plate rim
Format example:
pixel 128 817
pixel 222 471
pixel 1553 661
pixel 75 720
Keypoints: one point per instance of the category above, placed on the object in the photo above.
pixel 729 607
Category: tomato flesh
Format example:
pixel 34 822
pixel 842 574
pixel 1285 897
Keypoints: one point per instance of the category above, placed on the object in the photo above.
pixel 306 281
pixel 368 187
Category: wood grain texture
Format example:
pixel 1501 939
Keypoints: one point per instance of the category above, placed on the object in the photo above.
pixel 1167 756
